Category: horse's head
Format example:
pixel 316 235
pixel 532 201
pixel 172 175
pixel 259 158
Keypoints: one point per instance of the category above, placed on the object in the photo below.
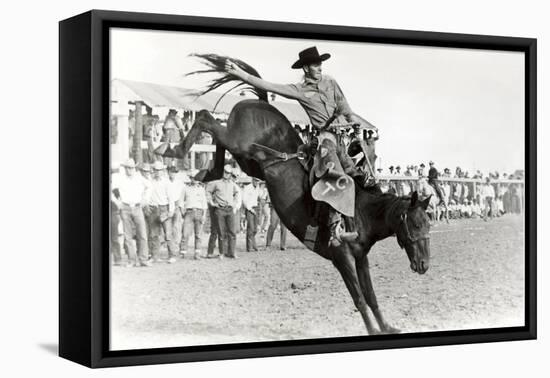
pixel 413 234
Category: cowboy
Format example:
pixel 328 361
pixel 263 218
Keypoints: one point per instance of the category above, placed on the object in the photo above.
pixel 322 100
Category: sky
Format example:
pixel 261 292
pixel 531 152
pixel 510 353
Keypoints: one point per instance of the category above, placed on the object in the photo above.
pixel 457 107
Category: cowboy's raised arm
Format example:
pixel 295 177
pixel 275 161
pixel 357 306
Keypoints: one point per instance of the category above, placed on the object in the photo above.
pixel 285 90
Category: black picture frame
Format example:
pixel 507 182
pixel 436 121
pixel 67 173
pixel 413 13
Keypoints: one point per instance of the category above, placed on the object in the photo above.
pixel 84 187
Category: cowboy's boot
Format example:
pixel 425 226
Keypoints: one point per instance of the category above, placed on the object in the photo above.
pixel 337 233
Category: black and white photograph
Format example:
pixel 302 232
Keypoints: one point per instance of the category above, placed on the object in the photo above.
pixel 274 189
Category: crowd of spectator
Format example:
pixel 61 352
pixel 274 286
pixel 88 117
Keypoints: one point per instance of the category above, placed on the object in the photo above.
pixel 153 204
pixel 461 195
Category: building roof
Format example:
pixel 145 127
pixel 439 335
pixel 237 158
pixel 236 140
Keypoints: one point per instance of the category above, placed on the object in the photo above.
pixel 156 95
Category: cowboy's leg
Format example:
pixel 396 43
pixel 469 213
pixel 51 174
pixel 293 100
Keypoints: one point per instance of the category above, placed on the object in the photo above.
pixel 155 232
pixel 271 228
pixel 187 229
pixel 197 227
pixel 283 234
pixel 166 221
pixel 141 234
pixel 249 229
pixel 222 228
pixel 115 245
pixel 214 234
pixel 231 222
pixel 127 224
pixel 177 225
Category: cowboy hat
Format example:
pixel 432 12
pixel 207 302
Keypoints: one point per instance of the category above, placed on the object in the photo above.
pixel 158 166
pixel 146 167
pixel 130 163
pixel 308 56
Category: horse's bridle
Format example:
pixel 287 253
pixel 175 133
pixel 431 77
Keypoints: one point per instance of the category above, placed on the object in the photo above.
pixel 410 238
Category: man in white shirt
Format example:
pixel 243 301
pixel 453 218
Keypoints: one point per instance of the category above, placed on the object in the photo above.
pixel 129 190
pixel 251 194
pixel 162 210
pixel 193 205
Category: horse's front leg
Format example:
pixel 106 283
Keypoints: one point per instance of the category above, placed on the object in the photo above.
pixel 345 263
pixel 363 273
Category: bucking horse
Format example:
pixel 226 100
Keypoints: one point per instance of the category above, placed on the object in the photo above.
pixel 264 144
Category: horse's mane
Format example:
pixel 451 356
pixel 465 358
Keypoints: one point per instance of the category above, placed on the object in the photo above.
pixel 216 64
pixel 379 204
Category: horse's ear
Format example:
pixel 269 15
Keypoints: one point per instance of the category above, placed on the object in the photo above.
pixel 414 198
pixel 424 204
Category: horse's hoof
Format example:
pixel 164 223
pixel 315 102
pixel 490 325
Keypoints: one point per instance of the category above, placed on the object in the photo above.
pixel 390 330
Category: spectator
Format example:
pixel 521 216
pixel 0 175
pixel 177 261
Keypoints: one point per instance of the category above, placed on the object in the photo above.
pixel 214 229
pixel 193 204
pixel 274 221
pixel 129 189
pixel 115 217
pixel 433 180
pixel 147 178
pixel 162 211
pixel 224 195
pixel 398 170
pixel 487 195
pixel 251 194
pixel 175 187
pixel 264 208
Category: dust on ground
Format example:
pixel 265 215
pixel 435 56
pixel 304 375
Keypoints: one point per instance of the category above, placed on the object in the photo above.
pixel 476 280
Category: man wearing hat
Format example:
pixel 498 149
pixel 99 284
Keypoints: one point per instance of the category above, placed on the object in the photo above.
pixel 193 205
pixel 162 210
pixel 128 192
pixel 433 176
pixel 225 196
pixel 323 101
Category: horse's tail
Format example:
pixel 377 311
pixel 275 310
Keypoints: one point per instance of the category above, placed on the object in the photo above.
pixel 216 64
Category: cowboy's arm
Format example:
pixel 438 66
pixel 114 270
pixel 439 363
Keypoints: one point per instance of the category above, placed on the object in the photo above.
pixel 285 90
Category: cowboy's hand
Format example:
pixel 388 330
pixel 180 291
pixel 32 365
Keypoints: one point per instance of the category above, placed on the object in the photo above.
pixel 233 69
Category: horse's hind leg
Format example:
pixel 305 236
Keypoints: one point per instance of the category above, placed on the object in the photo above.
pixel 204 122
pixel 365 281
pixel 345 263
pixel 217 171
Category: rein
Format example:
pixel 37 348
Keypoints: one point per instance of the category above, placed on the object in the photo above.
pixel 278 157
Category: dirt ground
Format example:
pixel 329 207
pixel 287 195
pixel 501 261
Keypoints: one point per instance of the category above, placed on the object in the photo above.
pixel 476 280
